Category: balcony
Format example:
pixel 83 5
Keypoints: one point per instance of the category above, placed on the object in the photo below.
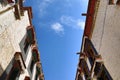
pixel 89 63
pixel 18 57
pixel 84 68
pixel 80 77
pixel 104 74
pixel 39 72
pixel 97 67
pixel 35 54
pixel 18 67
pixel 31 34
pixel 35 57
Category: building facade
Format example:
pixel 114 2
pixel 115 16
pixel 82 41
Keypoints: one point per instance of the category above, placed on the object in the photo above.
pixel 100 54
pixel 18 47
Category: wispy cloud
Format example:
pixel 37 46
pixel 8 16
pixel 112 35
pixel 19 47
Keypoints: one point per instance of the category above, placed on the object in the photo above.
pixel 81 24
pixel 42 5
pixel 69 3
pixel 72 22
pixel 58 28
pixel 67 20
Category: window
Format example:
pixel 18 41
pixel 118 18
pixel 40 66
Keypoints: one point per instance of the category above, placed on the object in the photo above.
pixel 36 76
pixel 104 75
pixel 80 77
pixel 14 74
pixel 90 57
pixel 15 71
pixel 26 44
pixel 91 60
pixel 111 2
pixel 31 66
pixel 98 68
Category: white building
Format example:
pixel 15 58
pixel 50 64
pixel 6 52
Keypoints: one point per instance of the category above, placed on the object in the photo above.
pixel 100 51
pixel 18 49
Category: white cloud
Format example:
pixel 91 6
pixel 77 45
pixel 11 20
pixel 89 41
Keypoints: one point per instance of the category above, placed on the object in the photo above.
pixel 58 28
pixel 42 5
pixel 81 24
pixel 72 22
pixel 69 3
pixel 67 20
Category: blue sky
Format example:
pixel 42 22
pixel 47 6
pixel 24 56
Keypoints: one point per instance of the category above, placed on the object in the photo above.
pixel 59 27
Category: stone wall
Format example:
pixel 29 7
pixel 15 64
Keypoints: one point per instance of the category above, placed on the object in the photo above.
pixel 106 36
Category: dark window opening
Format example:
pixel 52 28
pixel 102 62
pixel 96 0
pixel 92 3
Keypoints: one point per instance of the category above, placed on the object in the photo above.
pixel 79 77
pixel 98 68
pixel 91 60
pixel 111 2
pixel 14 74
pixel 36 76
pixel 31 66
pixel 26 45
pixel 105 74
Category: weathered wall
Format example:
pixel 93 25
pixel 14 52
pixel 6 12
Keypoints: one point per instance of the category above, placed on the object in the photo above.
pixel 110 48
pixel 11 33
pixel 99 24
pixel 6 50
pixel 106 37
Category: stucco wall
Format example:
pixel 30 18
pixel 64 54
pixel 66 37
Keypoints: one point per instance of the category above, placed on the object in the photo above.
pixel 6 50
pixel 106 37
pixel 110 48
pixel 11 33
pixel 99 25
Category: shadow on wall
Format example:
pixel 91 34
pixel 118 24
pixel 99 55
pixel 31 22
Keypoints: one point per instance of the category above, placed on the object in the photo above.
pixel 1 70
pixel 3 2
pixel 3 73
